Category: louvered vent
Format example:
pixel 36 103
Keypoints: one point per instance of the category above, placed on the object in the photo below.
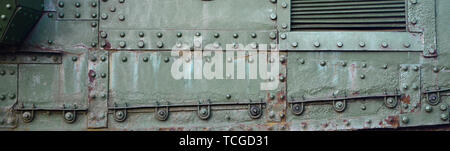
pixel 365 15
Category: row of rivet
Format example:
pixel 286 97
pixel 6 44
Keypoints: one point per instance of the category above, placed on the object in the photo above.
pixel 77 5
pixel 340 44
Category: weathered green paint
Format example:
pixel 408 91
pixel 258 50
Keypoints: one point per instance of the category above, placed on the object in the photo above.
pixel 76 54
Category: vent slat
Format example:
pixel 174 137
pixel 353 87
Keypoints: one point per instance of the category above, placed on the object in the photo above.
pixel 348 14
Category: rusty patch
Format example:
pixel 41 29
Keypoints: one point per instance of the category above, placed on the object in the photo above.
pixel 91 79
pixel 393 121
pixel 406 99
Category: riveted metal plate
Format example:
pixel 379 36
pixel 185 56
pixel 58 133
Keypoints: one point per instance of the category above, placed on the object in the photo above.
pixel 206 15
pixel 50 86
pixel 8 13
pixel 31 58
pixel 351 41
pixel 98 88
pixel 422 19
pixel 8 95
pixel 284 13
pixel 76 9
pixel 20 25
pixel 410 86
pixel 52 35
pixel 169 39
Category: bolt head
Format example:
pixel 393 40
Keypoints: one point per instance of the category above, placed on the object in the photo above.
pixel 444 117
pixel 443 107
pixel 69 116
pixel 405 119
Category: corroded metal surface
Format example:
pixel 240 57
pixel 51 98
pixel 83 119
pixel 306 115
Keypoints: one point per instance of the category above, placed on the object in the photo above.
pixel 180 65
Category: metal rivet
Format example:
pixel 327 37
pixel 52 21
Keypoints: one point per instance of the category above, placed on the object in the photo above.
pixel 198 34
pixel 61 15
pixel 61 4
pixel 444 117
pixel 12 96
pixel 179 34
pixel 103 34
pixel 228 96
pixel 216 35
pixel 159 34
pixel 362 44
pixel 384 44
pixel 124 59
pixel 160 44
pixel 122 44
pixel 77 15
pixel 406 45
pixel 294 44
pixel 362 76
pixel 443 107
pixel 428 108
pixel 340 44
pixel 103 75
pixel 104 16
pixel 121 17
pixel 94 15
pixel 405 120
pixel 94 24
pixel 316 44
pixel 272 35
pixel 103 58
pixel 323 63
pixel 122 34
pixel 253 35
pixel 284 4
pixel 363 107
pixel 235 35
pixel 283 36
pixel 74 58
pixel 284 26
pixel 273 16
pixel 145 59
pixel 166 59
pixel 141 44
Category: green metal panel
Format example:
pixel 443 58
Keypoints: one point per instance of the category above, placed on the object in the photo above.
pixel 8 95
pixel 115 62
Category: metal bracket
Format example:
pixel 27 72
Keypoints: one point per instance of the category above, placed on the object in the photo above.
pixel 70 116
pixel 204 112
pixel 255 111
pixel 433 97
pixel 120 115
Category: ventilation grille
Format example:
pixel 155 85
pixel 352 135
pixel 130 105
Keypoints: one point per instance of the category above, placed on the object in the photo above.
pixel 365 15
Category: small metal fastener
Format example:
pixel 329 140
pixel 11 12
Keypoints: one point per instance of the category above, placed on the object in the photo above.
pixel 273 16
pixel 385 66
pixel 444 117
pixel 301 61
pixel 362 76
pixel 384 44
pixel 316 44
pixel 391 102
pixel 141 34
pixel 103 75
pixel 145 59
pixel 27 116
pixel 160 44
pixel 255 111
pixel 297 109
pixel 253 35
pixel 363 107
pixel 235 35
pixel 141 44
pixel 103 58
pixel 2 97
pixel 362 44
pixel 74 58
pixel 124 59
pixel 228 96
pixel 339 106
pixel 166 59
pixel 406 45
pixel 323 63
pixel 282 78
pixel 159 34
pixel 294 44
pixel 405 120
pixel 122 44
pixel 340 44
pixel 443 107
pixel 283 36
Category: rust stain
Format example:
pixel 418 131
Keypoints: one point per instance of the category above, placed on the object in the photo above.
pixel 91 79
pixel 406 99
pixel 393 121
